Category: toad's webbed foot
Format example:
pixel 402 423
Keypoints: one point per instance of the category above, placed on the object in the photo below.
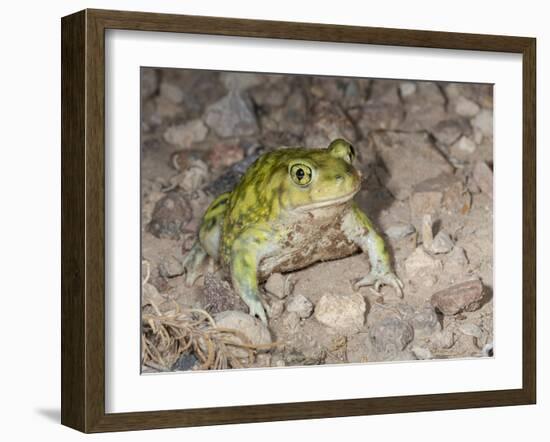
pixel 192 263
pixel 256 308
pixel 377 279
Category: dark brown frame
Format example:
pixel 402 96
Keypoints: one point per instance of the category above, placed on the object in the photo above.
pixel 83 215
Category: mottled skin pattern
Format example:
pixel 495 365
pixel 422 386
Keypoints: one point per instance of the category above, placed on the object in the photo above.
pixel 293 207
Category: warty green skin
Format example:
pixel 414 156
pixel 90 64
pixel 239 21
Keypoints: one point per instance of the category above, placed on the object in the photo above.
pixel 273 221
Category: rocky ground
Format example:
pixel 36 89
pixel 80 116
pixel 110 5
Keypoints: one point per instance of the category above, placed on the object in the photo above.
pixel 425 150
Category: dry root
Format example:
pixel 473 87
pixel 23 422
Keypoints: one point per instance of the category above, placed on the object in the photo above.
pixel 168 335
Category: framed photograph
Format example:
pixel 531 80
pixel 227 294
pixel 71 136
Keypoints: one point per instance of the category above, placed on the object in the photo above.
pixel 267 221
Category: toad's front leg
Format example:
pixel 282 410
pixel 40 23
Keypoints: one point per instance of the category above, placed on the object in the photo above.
pixel 359 229
pixel 246 252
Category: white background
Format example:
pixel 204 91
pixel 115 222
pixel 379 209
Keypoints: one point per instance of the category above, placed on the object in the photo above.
pixel 126 52
pixel 29 227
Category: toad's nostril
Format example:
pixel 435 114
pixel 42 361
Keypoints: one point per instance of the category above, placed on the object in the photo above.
pixel 339 177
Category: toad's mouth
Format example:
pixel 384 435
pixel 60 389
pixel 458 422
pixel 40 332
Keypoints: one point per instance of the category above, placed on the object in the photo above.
pixel 330 202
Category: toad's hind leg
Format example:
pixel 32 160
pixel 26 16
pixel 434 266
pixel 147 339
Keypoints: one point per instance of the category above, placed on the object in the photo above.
pixel 246 252
pixel 208 242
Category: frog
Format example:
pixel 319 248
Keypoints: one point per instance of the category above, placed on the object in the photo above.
pixel 293 207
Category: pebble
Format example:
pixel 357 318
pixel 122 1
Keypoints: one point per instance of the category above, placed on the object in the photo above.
pixel 456 261
pixel 170 216
pixel 407 88
pixel 276 308
pixel 447 131
pixel 465 107
pixel 171 92
pixel 466 296
pixel 150 295
pixel 423 319
pixel 442 243
pixel 483 176
pixel 470 329
pixel 409 159
pixel 357 348
pixel 419 262
pixel 278 286
pixel 463 147
pixel 148 82
pixel 444 339
pixel 484 122
pixel 185 362
pixel 224 155
pixel 170 267
pixel 390 336
pixel 254 330
pixel 345 313
pixel 232 116
pixel 422 353
pixel 380 116
pixel 399 231
pixel 300 305
pixel 444 192
pixel 291 321
pixel 240 80
pixel 184 135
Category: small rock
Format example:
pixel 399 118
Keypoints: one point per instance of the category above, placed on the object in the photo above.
pixel 171 92
pixel 399 231
pixel 194 177
pixel 148 82
pixel 443 340
pixel 427 231
pixel 276 309
pixel 464 147
pixel 150 295
pixel 187 361
pixel 240 80
pixel 442 243
pixel 408 158
pixel 291 321
pixel 422 353
pixel 278 285
pixel 456 261
pixel 424 107
pixel 484 122
pixel 233 115
pixel 218 296
pixel 170 216
pixel 444 192
pixel 184 135
pixel 483 176
pixel 419 263
pixel 301 305
pixel 390 336
pixel 345 313
pixel 470 329
pixel 424 319
pixel 170 267
pixel 380 116
pixel 407 88
pixel 224 155
pixel 357 349
pixel 466 296
pixel 253 329
pixel 448 131
pixel 465 107
pixel 327 121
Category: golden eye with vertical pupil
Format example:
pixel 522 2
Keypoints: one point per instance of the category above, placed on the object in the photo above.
pixel 301 174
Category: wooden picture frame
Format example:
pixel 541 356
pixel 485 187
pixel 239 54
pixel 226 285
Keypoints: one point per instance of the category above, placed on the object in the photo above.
pixel 83 220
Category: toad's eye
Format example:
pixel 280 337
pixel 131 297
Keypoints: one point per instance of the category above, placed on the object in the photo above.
pixel 301 174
